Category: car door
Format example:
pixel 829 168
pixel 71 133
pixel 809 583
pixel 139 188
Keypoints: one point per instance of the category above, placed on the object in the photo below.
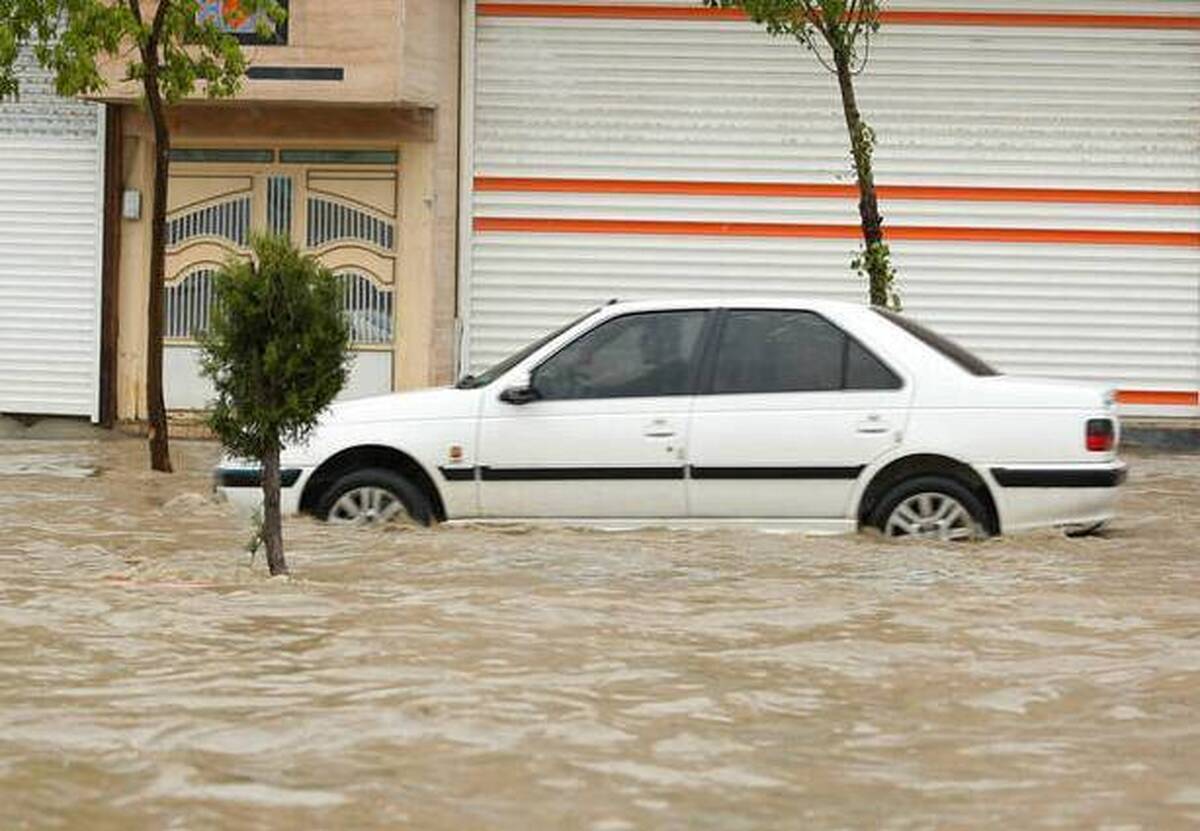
pixel 605 432
pixel 791 411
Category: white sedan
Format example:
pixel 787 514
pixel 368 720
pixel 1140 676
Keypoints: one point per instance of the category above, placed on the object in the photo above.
pixel 818 415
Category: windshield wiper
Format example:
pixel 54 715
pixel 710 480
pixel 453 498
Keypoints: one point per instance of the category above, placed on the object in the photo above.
pixel 467 382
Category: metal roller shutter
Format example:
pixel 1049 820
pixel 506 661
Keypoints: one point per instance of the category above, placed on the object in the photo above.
pixel 1042 182
pixel 51 215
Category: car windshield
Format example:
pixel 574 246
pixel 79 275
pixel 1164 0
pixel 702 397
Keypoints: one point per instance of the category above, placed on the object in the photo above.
pixel 948 348
pixel 470 382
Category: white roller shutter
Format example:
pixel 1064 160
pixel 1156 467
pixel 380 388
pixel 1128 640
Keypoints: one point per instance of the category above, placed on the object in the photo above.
pixel 1046 211
pixel 51 217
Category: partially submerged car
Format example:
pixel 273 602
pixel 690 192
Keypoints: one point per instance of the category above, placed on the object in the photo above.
pixel 820 415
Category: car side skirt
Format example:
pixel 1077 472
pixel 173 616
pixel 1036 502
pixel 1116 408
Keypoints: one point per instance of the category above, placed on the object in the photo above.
pixel 808 527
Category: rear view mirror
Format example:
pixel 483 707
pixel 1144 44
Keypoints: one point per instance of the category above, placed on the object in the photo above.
pixel 520 395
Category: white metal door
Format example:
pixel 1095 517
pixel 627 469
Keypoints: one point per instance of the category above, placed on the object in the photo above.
pixel 596 458
pixel 51 221
pixel 793 412
pixel 786 455
pixel 607 435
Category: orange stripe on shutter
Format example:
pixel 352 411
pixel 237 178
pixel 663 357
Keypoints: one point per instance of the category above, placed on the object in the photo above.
pixel 1042 19
pixel 1159 398
pixel 832 191
pixel 914 17
pixel 826 231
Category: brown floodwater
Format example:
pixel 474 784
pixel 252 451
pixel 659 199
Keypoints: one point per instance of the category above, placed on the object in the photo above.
pixel 151 676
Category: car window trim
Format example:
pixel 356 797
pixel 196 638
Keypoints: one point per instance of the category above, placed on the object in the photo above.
pixel 959 355
pixel 523 354
pixel 693 374
pixel 708 375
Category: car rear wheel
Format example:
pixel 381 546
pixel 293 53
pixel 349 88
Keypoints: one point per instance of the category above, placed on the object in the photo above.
pixel 374 497
pixel 931 507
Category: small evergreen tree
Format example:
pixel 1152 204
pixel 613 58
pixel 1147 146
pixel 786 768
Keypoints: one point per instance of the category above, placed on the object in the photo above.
pixel 276 351
pixel 838 33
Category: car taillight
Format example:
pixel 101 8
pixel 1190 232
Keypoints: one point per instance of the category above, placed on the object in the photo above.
pixel 1101 433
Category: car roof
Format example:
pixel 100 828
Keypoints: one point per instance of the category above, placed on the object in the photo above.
pixel 735 301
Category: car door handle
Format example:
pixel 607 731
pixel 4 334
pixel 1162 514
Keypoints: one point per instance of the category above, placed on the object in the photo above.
pixel 658 428
pixel 873 425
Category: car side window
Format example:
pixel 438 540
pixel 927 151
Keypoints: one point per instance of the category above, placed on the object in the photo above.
pixel 629 356
pixel 764 351
pixel 866 372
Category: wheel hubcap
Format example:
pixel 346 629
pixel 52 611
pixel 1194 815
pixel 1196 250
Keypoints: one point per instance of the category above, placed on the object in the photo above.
pixel 366 506
pixel 931 516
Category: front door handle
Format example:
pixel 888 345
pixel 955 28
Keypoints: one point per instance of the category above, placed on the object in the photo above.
pixel 873 425
pixel 660 434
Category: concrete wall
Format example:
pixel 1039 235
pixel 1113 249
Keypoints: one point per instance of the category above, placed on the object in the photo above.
pixel 369 39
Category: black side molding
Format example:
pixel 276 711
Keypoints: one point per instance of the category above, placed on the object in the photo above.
pixel 575 474
pixel 251 477
pixel 458 474
pixel 834 473
pixel 1107 478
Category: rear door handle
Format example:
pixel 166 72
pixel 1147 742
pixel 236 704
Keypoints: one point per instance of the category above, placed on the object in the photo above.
pixel 659 428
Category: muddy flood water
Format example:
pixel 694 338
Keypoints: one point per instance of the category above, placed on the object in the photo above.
pixel 152 677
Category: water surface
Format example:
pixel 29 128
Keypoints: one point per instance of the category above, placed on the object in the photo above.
pixel 517 678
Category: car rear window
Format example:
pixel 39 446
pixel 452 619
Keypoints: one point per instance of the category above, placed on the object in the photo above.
pixel 965 359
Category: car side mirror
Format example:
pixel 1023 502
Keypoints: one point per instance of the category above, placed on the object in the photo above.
pixel 523 394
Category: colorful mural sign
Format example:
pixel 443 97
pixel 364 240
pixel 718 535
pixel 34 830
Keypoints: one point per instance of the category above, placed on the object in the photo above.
pixel 231 16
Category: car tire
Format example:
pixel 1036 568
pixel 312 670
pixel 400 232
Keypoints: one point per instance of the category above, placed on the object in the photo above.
pixel 374 496
pixel 931 507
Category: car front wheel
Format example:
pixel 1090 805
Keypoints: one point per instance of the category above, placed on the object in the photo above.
pixel 373 497
pixel 931 507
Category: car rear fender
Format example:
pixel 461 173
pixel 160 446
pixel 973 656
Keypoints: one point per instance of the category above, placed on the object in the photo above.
pixel 886 473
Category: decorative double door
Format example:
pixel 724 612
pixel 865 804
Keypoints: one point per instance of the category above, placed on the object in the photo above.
pixel 340 209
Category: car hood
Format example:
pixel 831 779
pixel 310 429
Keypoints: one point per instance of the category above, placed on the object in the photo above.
pixel 417 405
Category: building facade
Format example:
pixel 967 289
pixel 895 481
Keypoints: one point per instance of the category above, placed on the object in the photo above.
pixel 344 136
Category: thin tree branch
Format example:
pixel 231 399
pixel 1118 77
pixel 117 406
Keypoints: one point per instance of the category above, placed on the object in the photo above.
pixel 866 54
pixel 855 18
pixel 816 18
pixel 160 17
pixel 821 59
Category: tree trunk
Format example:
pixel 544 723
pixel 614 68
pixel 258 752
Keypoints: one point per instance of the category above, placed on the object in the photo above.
pixel 156 411
pixel 272 528
pixel 868 203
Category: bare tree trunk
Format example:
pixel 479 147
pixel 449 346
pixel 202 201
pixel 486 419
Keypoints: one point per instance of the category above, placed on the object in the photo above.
pixel 160 454
pixel 868 204
pixel 272 529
